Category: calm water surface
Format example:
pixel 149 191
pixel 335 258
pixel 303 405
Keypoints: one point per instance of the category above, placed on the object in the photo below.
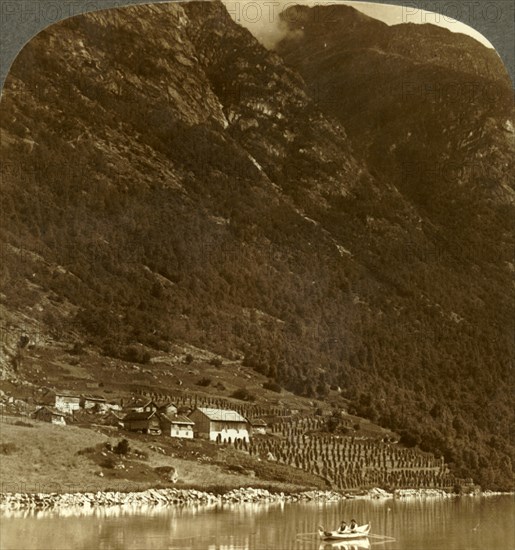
pixel 455 524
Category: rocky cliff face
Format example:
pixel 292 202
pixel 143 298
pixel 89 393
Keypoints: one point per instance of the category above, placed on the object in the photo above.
pixel 169 180
pixel 408 95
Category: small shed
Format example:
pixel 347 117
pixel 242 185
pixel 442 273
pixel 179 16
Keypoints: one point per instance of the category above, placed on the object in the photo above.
pixel 146 422
pixel 112 419
pixel 49 414
pixel 168 409
pixel 258 426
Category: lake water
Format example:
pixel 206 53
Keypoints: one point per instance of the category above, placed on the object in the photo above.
pixel 466 523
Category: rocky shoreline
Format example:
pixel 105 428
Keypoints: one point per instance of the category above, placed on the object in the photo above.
pixel 156 497
pixel 164 497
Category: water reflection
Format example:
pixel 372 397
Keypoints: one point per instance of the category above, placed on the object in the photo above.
pixel 466 523
pixel 146 510
pixel 346 545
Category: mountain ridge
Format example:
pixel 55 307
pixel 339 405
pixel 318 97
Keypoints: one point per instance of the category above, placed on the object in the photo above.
pixel 451 50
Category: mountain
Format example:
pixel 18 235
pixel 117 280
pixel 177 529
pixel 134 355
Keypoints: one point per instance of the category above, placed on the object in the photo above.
pixel 433 99
pixel 169 181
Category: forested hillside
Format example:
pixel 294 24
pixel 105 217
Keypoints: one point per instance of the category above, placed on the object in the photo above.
pixel 169 180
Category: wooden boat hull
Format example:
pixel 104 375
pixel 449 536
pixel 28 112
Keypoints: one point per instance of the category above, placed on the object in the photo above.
pixel 357 544
pixel 360 532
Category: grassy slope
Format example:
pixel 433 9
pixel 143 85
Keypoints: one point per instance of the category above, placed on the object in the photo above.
pixel 46 460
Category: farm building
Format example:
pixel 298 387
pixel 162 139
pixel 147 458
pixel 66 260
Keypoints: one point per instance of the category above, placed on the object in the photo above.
pixel 91 402
pixel 145 422
pixel 220 425
pixel 112 419
pixel 48 414
pixel 177 426
pixel 114 405
pixel 66 402
pixel 258 426
pixel 168 409
pixel 143 405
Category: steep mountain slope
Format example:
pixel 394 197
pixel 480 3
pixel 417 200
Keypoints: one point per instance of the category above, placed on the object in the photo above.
pixel 434 101
pixel 432 113
pixel 168 180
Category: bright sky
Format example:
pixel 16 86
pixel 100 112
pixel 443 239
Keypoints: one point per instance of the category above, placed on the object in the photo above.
pixel 256 15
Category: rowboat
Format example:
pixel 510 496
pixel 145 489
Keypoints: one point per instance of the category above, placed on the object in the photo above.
pixel 356 544
pixel 359 532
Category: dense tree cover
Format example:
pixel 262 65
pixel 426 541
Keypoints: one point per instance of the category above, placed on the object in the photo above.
pixel 150 223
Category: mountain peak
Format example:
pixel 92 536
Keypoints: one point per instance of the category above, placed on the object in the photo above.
pixel 301 15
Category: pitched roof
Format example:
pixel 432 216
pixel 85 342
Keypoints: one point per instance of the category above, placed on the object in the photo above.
pixel 55 412
pixel 146 415
pixel 139 402
pixel 165 404
pixel 66 394
pixel 61 393
pixel 94 398
pixel 182 420
pixel 258 422
pixel 223 415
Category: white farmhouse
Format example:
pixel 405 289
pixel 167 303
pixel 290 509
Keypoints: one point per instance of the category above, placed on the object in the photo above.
pixel 67 402
pixel 178 426
pixel 221 425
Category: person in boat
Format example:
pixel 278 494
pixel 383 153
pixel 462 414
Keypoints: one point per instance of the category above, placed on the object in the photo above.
pixel 353 525
pixel 343 527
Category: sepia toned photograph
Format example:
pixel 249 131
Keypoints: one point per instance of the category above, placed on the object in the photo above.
pixel 257 279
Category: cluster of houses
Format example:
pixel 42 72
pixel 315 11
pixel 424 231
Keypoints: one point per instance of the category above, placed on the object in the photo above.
pixel 149 417
pixel 57 407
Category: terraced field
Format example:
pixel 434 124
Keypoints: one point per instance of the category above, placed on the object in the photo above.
pixel 350 463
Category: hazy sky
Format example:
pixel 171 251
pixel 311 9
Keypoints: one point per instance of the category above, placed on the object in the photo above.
pixel 260 16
